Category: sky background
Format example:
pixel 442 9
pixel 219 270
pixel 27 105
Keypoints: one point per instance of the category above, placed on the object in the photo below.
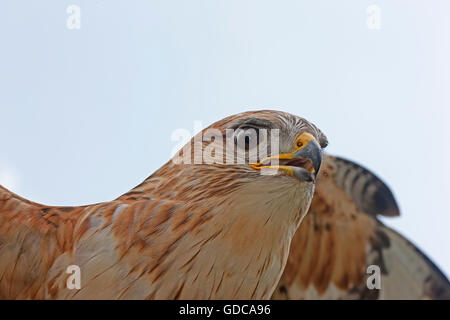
pixel 85 115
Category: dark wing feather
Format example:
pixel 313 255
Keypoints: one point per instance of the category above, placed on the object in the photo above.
pixel 369 193
pixel 341 236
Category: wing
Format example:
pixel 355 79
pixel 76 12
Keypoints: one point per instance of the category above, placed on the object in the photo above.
pixel 110 242
pixel 31 237
pixel 341 237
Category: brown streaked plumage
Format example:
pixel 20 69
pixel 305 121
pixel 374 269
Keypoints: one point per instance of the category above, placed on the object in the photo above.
pixel 341 236
pixel 189 231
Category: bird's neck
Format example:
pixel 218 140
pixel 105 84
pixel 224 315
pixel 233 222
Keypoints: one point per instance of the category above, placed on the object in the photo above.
pixel 252 232
pixel 238 230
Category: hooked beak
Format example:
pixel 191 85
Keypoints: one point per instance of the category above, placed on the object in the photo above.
pixel 304 163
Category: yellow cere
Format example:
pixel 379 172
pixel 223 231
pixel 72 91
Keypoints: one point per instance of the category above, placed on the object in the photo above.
pixel 304 139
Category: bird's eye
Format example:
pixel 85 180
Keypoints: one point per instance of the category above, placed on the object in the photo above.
pixel 246 137
pixel 299 144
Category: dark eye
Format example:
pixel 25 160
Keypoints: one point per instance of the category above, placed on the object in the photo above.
pixel 246 137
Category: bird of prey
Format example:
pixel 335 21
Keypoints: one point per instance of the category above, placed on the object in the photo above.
pixel 222 230
pixel 192 230
pixel 341 237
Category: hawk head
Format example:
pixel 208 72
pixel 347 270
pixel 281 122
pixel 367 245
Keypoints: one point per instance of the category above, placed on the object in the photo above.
pixel 254 141
pixel 260 154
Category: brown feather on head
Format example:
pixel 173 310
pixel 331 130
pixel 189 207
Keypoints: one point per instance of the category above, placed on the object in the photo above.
pixel 287 144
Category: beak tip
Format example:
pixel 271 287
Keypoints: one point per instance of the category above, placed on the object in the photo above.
pixel 304 175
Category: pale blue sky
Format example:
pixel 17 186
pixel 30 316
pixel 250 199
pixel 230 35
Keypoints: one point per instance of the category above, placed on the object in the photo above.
pixel 88 114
